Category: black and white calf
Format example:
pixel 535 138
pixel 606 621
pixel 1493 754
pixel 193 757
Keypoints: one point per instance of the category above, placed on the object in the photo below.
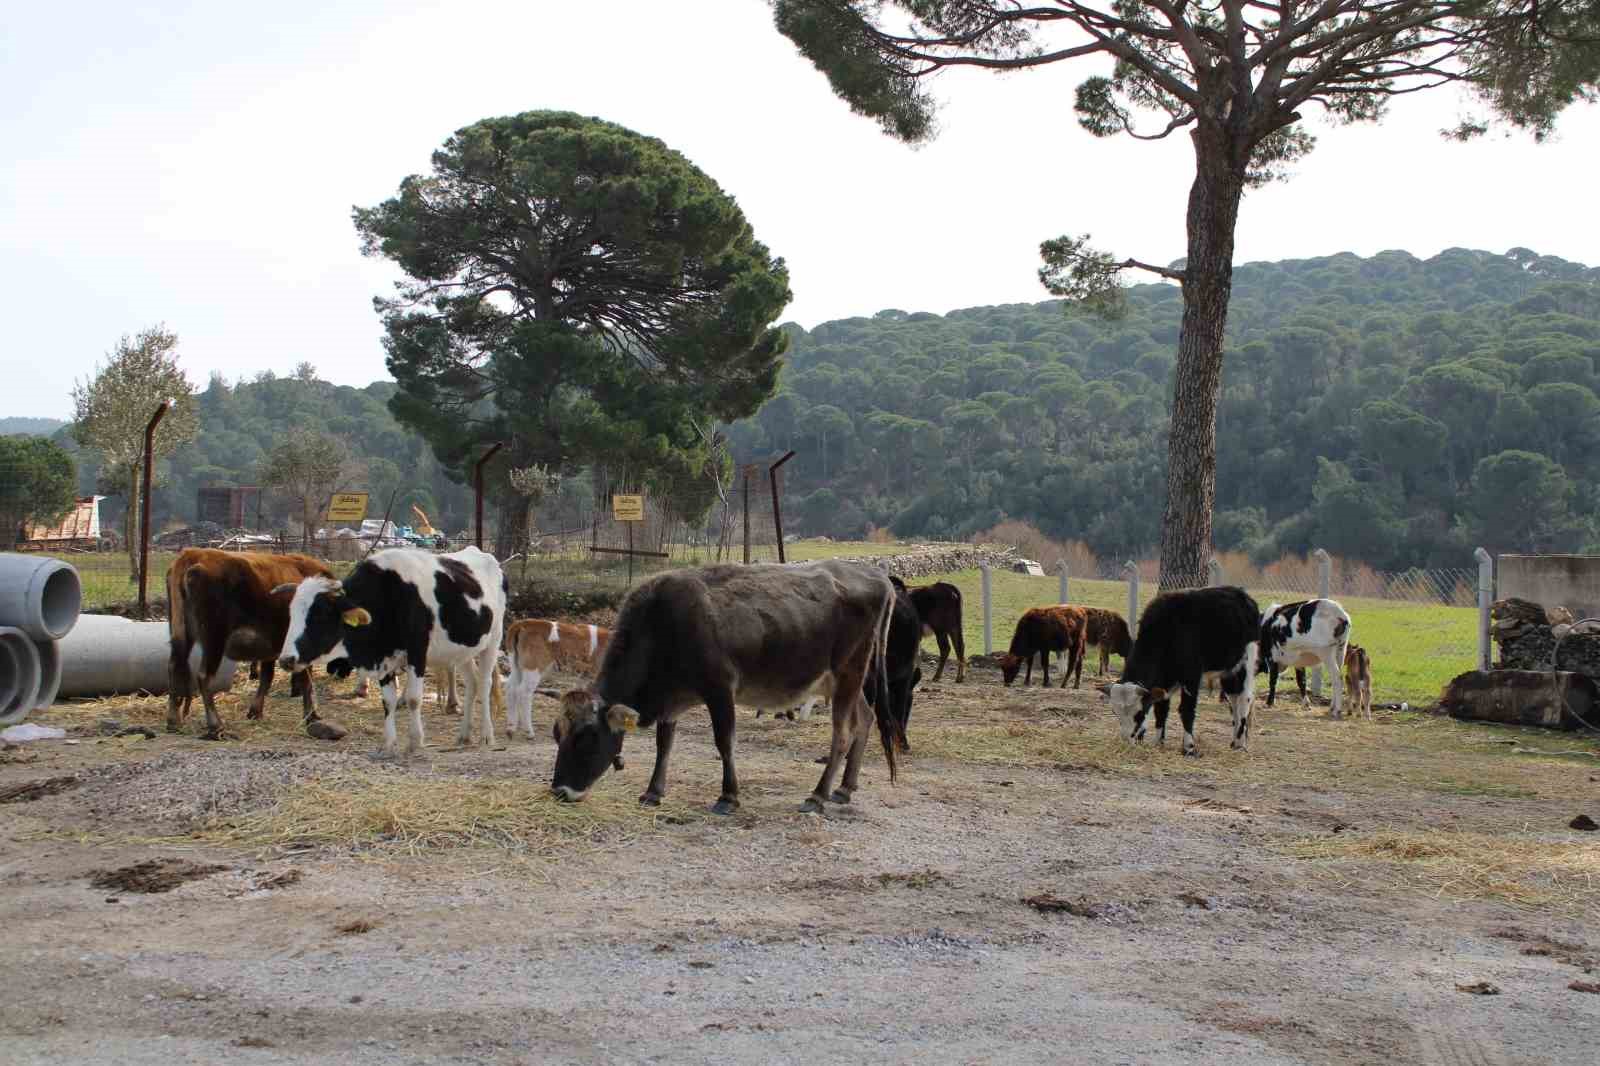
pixel 401 612
pixel 1182 637
pixel 1298 635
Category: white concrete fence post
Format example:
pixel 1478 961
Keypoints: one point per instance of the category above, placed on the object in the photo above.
pixel 1061 568
pixel 1214 569
pixel 1485 599
pixel 1132 573
pixel 1324 587
pixel 988 609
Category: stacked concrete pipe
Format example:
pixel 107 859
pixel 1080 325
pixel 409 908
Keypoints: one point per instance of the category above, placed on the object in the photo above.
pixel 39 602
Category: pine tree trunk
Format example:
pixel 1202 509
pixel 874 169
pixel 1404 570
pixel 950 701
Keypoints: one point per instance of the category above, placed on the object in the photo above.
pixel 1208 284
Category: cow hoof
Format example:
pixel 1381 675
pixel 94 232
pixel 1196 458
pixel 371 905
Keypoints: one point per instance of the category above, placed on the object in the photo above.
pixel 821 760
pixel 812 805
pixel 254 714
pixel 840 796
pixel 174 727
pixel 211 734
pixel 616 760
pixel 1192 753
pixel 317 729
pixel 384 756
pixel 650 799
pixel 725 806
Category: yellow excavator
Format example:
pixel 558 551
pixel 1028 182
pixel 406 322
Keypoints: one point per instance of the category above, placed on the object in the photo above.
pixel 423 526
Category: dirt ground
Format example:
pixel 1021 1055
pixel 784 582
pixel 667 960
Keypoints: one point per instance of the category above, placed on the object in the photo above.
pixel 162 907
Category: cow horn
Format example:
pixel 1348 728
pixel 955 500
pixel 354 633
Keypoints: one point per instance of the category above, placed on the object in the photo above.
pixel 287 586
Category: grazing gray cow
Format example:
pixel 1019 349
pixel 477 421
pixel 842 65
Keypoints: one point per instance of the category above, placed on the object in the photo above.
pixel 764 636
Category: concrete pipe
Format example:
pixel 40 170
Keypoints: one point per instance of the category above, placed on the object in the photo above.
pixel 19 675
pixel 49 673
pixel 39 595
pixel 105 656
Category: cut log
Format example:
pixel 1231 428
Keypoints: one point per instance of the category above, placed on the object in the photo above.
pixel 1520 609
pixel 1522 697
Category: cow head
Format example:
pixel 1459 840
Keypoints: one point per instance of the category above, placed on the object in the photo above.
pixel 320 616
pixel 1131 701
pixel 588 735
pixel 1009 666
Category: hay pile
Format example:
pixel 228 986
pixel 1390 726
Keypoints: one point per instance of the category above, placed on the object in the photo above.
pixel 400 813
pixel 1526 870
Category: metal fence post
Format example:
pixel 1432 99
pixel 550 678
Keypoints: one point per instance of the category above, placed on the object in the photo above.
pixel 1062 568
pixel 144 515
pixel 1485 598
pixel 988 609
pixel 1214 571
pixel 1324 586
pixel 1132 573
pixel 777 508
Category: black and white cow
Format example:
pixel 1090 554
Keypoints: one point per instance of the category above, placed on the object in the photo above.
pixel 1307 633
pixel 764 636
pixel 1182 637
pixel 399 613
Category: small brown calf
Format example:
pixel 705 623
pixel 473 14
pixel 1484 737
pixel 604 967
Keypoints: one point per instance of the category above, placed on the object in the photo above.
pixel 1108 631
pixel 1040 631
pixel 535 647
pixel 1358 679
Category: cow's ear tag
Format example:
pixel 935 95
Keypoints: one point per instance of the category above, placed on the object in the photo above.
pixel 357 616
pixel 622 719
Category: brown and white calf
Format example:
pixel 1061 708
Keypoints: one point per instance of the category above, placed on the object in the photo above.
pixel 1358 679
pixel 535 647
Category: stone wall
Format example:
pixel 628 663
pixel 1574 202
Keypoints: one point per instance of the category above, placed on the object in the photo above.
pixel 918 564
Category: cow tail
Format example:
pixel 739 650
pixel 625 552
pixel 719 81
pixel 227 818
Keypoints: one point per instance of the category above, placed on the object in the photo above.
pixel 885 716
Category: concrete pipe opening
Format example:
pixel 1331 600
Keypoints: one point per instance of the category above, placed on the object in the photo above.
pixel 40 596
pixel 19 675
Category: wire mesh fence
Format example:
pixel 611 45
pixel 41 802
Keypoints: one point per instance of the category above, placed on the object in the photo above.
pixel 1420 627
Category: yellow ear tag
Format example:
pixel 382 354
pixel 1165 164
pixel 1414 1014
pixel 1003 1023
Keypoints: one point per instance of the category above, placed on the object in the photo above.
pixel 357 616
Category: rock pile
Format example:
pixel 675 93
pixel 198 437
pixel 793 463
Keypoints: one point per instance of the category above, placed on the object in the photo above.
pixel 941 559
pixel 1527 635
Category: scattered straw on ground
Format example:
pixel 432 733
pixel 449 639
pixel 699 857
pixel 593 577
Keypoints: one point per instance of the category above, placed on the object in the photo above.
pixel 1521 869
pixel 407 815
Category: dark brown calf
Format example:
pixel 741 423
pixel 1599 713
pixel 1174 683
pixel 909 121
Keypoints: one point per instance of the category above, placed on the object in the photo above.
pixel 223 601
pixel 1040 631
pixel 939 607
pixel 1108 631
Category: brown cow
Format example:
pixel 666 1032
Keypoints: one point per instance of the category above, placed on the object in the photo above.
pixel 536 646
pixel 1108 631
pixel 223 602
pixel 1040 631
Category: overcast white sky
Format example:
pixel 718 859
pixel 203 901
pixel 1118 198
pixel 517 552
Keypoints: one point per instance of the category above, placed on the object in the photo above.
pixel 195 164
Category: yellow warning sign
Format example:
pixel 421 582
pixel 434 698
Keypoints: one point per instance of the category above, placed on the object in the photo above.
pixel 347 507
pixel 627 508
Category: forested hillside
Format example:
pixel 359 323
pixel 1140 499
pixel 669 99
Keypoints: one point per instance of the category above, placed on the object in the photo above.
pixel 1391 409
pixel 239 423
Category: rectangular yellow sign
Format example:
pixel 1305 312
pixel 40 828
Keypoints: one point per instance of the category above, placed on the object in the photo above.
pixel 347 507
pixel 627 508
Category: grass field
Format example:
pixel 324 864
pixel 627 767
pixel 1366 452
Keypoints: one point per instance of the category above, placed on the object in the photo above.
pixel 1416 648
